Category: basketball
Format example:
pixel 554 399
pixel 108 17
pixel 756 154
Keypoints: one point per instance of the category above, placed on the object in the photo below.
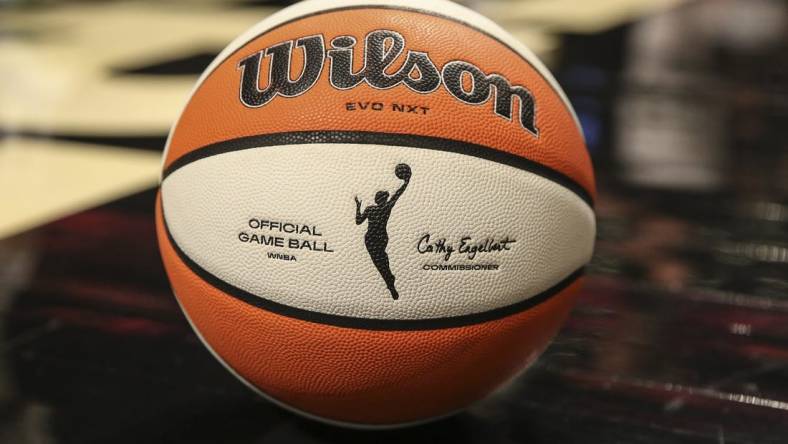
pixel 402 171
pixel 374 213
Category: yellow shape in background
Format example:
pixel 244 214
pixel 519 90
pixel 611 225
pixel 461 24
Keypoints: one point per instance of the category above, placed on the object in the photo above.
pixel 57 72
pixel 44 180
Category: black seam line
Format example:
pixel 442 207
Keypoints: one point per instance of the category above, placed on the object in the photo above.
pixel 367 323
pixel 376 138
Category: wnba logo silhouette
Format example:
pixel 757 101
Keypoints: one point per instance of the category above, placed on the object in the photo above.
pixel 377 217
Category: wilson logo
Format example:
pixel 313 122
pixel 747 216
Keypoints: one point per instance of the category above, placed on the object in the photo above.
pixel 383 51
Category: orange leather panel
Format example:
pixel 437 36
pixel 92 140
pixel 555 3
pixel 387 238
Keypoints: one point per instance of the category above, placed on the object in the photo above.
pixel 215 112
pixel 363 376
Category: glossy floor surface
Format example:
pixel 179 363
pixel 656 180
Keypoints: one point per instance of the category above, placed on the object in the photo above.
pixel 680 336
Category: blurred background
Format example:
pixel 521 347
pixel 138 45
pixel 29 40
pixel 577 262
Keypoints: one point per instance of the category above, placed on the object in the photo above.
pixel 681 334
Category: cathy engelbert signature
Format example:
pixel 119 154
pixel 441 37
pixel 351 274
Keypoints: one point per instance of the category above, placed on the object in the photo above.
pixel 465 246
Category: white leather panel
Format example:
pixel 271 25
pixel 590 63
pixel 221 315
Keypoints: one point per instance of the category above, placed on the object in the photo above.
pixel 210 202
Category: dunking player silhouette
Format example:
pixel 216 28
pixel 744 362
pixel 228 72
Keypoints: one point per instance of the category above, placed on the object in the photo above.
pixel 377 237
